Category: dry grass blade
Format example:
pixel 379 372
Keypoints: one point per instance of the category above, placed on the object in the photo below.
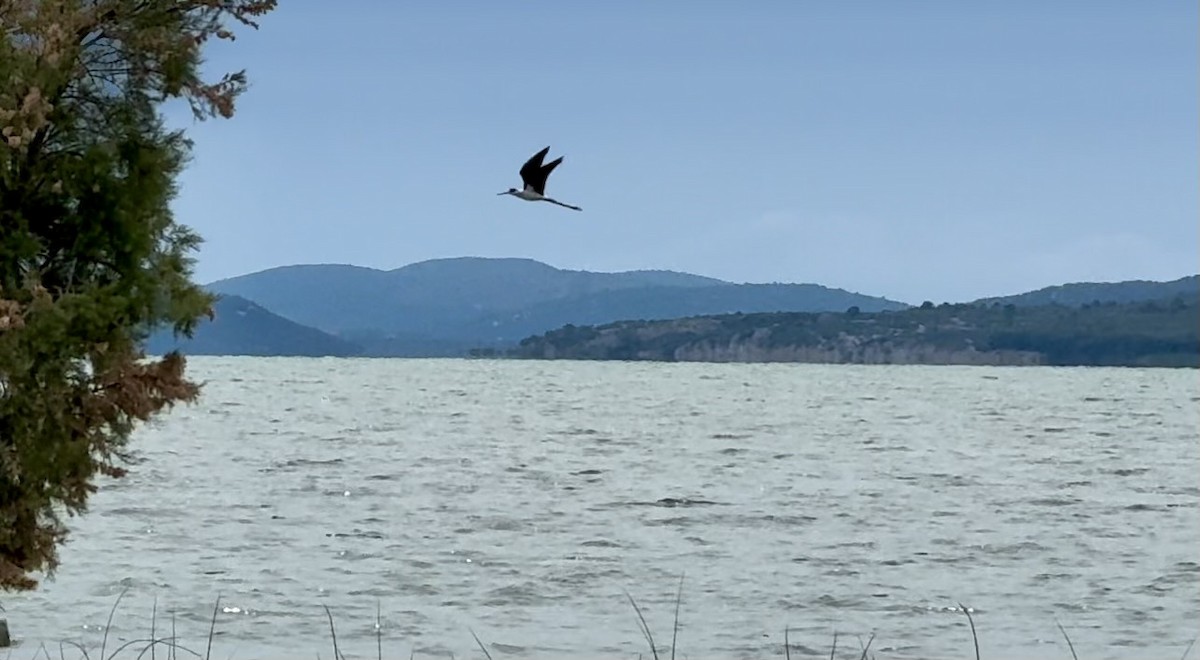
pixel 104 640
pixel 169 643
pixel 971 621
pixel 787 644
pixel 153 621
pixel 1188 649
pixel 337 655
pixel 645 627
pixel 212 628
pixel 481 646
pixel 150 644
pixel 1066 637
pixel 76 645
pixel 834 649
pixel 675 630
pixel 378 632
pixel 867 647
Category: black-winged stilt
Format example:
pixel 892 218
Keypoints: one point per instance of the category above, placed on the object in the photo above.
pixel 534 174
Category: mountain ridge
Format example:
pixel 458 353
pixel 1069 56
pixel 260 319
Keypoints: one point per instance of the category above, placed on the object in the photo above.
pixel 449 306
pixel 462 302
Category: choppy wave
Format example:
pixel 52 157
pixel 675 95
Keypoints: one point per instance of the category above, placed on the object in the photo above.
pixel 522 500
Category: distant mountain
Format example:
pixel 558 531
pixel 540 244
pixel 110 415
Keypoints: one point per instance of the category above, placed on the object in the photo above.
pixel 338 297
pixel 446 306
pixel 1083 293
pixel 241 327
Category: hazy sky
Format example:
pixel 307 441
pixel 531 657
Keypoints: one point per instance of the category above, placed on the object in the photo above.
pixel 918 150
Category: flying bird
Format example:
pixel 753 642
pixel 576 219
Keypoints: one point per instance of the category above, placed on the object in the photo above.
pixel 534 174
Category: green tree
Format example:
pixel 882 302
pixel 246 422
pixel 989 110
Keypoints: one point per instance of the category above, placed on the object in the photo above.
pixel 91 258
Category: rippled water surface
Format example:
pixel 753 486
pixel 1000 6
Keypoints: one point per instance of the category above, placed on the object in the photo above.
pixel 521 499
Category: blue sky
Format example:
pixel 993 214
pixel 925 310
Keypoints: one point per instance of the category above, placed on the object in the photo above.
pixel 917 150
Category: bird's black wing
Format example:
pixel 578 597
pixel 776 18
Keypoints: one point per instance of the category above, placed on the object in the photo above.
pixel 544 173
pixel 530 170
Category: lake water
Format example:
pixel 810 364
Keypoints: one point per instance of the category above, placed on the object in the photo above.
pixel 521 500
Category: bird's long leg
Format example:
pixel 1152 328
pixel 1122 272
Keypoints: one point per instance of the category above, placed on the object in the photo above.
pixel 555 201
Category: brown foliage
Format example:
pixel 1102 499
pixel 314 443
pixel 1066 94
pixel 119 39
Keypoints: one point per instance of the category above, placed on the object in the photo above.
pixel 61 425
pixel 84 51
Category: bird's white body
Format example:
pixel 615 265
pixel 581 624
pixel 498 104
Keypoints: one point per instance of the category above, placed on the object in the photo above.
pixel 529 195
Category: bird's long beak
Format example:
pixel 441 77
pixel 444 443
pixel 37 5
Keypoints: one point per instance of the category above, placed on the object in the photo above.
pixel 502 193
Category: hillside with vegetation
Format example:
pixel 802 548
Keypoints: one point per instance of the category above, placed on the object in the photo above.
pixel 1164 332
pixel 1077 294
